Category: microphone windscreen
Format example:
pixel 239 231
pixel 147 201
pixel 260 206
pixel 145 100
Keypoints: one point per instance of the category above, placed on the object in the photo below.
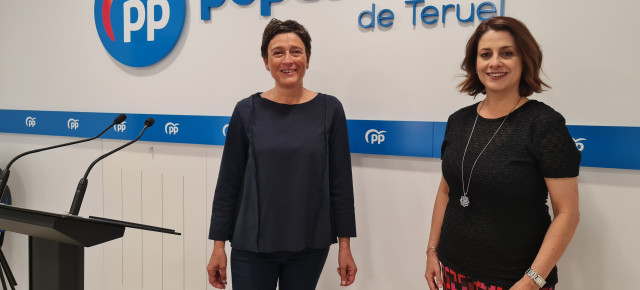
pixel 149 122
pixel 120 119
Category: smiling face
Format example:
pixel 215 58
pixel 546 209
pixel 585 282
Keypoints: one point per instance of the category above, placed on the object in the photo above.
pixel 286 59
pixel 498 64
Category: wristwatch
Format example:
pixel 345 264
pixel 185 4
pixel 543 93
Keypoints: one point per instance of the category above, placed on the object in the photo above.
pixel 536 278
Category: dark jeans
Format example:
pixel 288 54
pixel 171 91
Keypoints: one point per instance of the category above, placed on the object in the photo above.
pixel 292 270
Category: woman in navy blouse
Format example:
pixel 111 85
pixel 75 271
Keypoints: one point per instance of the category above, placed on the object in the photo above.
pixel 284 191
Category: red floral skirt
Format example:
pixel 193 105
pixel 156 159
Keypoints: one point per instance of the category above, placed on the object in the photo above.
pixel 455 281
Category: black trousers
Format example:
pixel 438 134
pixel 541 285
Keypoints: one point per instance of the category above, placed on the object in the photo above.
pixel 263 271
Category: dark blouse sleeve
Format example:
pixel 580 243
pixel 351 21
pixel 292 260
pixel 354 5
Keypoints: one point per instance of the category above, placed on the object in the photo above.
pixel 555 149
pixel 232 168
pixel 341 182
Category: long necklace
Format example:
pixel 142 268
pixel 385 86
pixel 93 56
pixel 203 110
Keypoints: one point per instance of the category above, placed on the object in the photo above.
pixel 464 200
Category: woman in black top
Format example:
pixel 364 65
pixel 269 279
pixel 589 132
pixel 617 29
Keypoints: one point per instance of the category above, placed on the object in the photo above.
pixel 501 158
pixel 284 191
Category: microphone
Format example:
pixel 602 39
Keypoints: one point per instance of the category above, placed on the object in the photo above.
pixel 4 174
pixel 82 185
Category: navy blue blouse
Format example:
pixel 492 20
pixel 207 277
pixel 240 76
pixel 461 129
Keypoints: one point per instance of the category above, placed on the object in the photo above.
pixel 285 178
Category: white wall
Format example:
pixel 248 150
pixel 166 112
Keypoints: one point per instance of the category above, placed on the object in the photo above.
pixel 51 59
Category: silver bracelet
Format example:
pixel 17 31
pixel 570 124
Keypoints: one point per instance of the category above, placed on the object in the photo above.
pixel 536 278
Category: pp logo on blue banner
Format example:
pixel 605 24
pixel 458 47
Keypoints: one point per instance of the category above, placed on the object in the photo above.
pixel 73 124
pixel 120 127
pixel 171 128
pixel 224 130
pixel 139 33
pixel 374 136
pixel 30 122
pixel 579 143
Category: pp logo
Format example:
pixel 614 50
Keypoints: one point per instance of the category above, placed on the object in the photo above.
pixel 120 127
pixel 377 136
pixel 139 33
pixel 579 144
pixel 73 124
pixel 224 130
pixel 30 122
pixel 171 128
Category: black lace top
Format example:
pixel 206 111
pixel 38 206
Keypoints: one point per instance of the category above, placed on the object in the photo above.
pixel 497 237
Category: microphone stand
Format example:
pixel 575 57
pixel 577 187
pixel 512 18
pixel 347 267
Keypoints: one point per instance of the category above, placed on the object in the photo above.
pixel 4 265
pixel 4 175
pixel 82 184
pixel 65 235
pixel 6 193
pixel 7 271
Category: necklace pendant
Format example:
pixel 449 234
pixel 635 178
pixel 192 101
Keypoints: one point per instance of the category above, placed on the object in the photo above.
pixel 464 201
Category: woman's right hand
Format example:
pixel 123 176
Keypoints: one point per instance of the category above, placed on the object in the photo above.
pixel 433 270
pixel 217 267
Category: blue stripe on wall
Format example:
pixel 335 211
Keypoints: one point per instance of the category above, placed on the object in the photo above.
pixel 403 138
pixel 601 146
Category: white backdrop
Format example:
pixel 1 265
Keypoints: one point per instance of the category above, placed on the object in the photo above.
pixel 52 59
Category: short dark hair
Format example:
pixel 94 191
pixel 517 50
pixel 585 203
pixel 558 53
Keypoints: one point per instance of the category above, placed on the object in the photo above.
pixel 276 27
pixel 527 47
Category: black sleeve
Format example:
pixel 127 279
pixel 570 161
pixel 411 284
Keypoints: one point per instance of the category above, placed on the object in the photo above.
pixel 341 181
pixel 232 168
pixel 445 140
pixel 555 149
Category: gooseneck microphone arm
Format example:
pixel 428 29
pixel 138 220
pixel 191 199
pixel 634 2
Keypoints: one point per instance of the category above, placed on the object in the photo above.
pixel 4 174
pixel 82 184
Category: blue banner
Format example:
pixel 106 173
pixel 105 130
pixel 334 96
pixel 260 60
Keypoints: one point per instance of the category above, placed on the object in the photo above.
pixel 402 138
pixel 601 146
pixel 608 146
pixel 208 130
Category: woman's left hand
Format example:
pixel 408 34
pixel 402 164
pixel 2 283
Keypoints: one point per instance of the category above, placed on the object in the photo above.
pixel 525 283
pixel 346 267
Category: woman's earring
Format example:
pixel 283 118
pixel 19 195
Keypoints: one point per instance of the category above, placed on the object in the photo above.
pixel 268 69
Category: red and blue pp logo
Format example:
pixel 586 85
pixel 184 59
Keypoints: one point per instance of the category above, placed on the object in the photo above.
pixel 139 33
